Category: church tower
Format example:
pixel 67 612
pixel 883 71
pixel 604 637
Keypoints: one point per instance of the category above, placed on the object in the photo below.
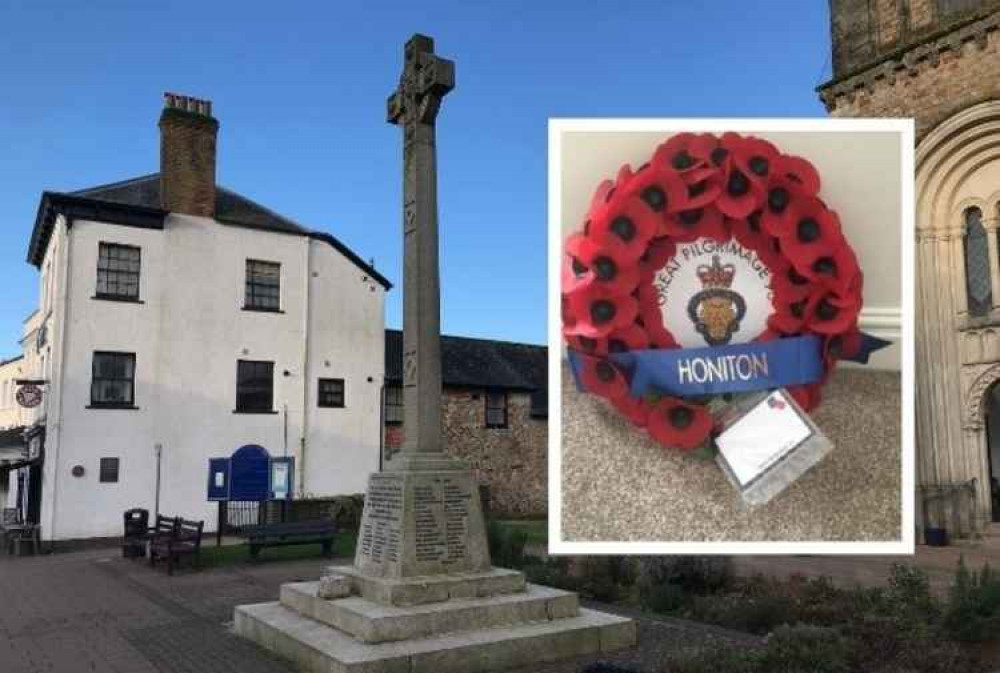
pixel 938 61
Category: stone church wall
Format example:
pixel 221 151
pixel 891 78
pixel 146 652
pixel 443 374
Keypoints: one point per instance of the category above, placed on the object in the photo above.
pixel 931 83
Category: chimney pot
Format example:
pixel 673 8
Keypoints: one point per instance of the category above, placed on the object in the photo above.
pixel 187 155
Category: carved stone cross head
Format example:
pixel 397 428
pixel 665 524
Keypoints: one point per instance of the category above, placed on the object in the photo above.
pixel 426 79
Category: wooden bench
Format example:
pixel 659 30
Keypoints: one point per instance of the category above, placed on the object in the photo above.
pixel 321 531
pixel 173 537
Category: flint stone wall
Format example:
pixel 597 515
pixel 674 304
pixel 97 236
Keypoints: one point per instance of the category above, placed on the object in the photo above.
pixel 511 461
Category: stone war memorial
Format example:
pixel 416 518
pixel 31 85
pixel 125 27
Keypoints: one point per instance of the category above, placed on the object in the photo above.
pixel 422 595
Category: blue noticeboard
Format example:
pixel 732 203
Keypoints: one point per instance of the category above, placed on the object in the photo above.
pixel 250 473
pixel 282 478
pixel 218 479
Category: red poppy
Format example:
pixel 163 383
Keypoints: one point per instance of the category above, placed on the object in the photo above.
pixel 754 157
pixel 631 338
pixel 635 409
pixel 608 263
pixel 833 314
pixel 784 201
pixel 799 171
pixel 599 311
pixel 602 377
pixel 624 218
pixel 567 312
pixel 839 271
pixel 789 286
pixel 661 250
pixel 677 424
pixel 652 318
pixel 816 235
pixel 660 188
pixel 683 153
pixel 575 275
pixel 690 225
pixel 586 345
pixel 791 315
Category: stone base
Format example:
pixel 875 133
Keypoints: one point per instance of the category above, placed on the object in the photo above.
pixel 431 588
pixel 319 648
pixel 374 623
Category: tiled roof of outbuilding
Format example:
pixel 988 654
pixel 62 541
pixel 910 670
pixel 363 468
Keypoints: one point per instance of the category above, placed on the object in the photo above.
pixel 481 363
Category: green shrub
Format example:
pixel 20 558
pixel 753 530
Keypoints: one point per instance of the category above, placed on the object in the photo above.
pixel 553 572
pixel 809 649
pixel 753 614
pixel 712 660
pixel 506 545
pixel 668 582
pixel 973 611
pixel 600 577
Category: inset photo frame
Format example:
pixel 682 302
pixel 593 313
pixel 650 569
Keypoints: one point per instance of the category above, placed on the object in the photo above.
pixel 731 336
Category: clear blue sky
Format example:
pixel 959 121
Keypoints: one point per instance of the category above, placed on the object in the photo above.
pixel 300 91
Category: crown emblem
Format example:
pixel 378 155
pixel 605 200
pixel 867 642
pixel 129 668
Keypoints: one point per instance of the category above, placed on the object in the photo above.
pixel 717 275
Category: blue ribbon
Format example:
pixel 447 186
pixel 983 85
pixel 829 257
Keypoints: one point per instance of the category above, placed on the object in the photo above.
pixel 721 369
pixel 869 344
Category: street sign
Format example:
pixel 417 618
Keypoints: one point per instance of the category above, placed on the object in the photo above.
pixel 29 395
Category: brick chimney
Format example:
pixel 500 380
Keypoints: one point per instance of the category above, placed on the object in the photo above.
pixel 187 155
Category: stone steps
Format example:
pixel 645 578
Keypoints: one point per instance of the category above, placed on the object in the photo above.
pixel 320 648
pixel 432 588
pixel 374 623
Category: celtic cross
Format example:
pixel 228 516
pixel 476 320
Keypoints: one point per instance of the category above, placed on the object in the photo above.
pixel 426 79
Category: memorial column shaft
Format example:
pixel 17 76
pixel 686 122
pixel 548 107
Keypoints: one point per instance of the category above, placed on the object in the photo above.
pixel 421 294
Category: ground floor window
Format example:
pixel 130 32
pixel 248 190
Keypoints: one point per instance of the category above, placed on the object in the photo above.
pixel 113 380
pixel 393 405
pixel 109 471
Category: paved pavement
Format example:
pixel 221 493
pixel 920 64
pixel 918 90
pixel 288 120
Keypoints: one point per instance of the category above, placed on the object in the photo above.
pixel 939 563
pixel 92 611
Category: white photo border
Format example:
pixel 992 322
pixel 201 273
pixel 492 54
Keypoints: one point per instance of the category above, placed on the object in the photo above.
pixel 905 127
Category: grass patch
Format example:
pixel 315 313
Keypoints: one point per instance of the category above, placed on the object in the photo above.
pixel 214 557
pixel 535 531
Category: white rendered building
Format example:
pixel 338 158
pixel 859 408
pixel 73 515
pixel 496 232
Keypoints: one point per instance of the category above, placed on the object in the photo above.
pixel 179 321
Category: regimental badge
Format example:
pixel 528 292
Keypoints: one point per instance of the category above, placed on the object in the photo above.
pixel 717 310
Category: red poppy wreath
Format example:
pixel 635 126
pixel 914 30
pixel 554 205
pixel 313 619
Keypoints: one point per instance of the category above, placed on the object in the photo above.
pixel 719 247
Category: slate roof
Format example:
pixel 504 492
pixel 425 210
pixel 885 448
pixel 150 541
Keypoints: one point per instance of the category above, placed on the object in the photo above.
pixel 230 207
pixel 143 193
pixel 481 363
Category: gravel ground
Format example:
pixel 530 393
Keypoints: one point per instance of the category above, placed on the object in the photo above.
pixel 618 485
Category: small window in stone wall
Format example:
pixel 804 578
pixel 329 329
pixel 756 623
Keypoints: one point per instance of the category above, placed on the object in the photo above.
pixel 977 264
pixel 496 409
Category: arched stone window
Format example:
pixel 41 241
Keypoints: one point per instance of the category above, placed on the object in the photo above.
pixel 977 264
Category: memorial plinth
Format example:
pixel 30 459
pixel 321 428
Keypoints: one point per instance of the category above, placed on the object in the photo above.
pixel 422 596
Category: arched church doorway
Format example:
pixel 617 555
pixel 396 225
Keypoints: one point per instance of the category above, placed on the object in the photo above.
pixel 992 404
